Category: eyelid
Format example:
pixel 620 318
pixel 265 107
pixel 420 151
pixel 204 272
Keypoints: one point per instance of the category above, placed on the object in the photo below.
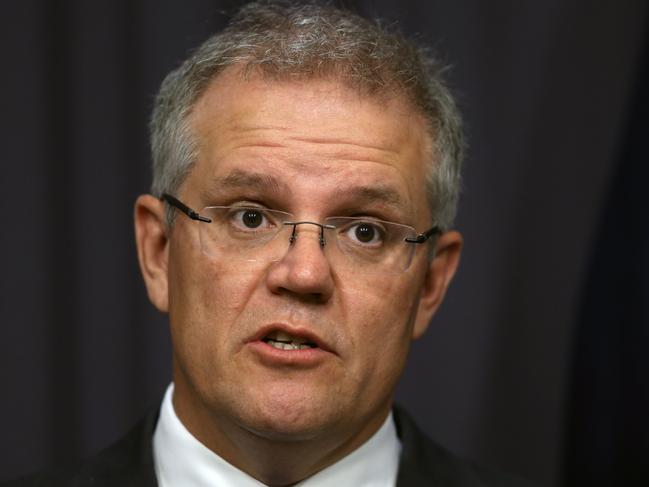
pixel 260 204
pixel 356 220
pixel 245 204
pixel 370 219
pixel 376 214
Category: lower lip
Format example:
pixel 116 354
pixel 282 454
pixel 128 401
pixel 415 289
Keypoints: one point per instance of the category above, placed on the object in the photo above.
pixel 306 357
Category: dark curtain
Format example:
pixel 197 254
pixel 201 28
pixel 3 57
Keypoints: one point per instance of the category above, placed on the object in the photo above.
pixel 608 431
pixel 545 91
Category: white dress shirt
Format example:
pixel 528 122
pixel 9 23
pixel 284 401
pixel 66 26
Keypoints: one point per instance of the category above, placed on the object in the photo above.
pixel 183 461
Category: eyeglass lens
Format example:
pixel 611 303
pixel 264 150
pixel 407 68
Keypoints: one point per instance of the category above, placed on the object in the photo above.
pixel 248 234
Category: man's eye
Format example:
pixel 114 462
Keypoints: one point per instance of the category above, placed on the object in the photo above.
pixel 250 219
pixel 365 233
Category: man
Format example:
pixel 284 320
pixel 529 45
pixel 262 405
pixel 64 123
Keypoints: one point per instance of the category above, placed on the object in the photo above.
pixel 306 172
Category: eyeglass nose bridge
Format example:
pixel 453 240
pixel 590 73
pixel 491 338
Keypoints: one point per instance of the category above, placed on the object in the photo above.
pixel 306 222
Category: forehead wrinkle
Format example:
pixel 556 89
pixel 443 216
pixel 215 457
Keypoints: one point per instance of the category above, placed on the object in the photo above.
pixel 337 147
pixel 343 142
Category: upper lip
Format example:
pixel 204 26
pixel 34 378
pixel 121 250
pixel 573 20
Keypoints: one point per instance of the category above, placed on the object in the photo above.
pixel 297 331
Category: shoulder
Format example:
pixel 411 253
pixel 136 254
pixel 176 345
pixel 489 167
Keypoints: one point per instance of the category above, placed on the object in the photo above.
pixel 129 462
pixel 424 462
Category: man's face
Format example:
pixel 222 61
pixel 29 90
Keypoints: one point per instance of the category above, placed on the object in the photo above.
pixel 315 149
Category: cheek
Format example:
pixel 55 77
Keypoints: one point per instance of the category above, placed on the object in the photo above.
pixel 205 299
pixel 380 320
pixel 380 317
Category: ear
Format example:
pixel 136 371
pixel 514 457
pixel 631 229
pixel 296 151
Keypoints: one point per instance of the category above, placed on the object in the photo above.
pixel 152 248
pixel 439 274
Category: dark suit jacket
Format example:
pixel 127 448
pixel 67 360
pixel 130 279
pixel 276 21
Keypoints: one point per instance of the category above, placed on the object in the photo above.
pixel 129 463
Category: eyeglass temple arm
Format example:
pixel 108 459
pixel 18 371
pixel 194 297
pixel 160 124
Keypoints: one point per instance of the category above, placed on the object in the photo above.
pixel 184 208
pixel 423 237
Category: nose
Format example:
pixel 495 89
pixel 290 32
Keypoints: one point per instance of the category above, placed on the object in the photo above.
pixel 304 271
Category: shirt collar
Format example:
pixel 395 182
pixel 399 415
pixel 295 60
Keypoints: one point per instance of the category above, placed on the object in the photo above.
pixel 180 459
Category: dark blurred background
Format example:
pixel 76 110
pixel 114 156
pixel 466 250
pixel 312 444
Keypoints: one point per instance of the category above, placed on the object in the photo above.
pixel 537 363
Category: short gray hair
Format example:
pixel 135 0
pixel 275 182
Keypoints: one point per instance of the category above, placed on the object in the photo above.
pixel 310 41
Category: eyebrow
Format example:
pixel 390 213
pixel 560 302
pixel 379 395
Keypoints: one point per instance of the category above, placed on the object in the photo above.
pixel 245 179
pixel 359 195
pixel 371 194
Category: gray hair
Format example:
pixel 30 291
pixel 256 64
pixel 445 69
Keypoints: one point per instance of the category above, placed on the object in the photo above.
pixel 309 41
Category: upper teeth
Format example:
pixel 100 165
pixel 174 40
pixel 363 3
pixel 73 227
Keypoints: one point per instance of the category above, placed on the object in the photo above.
pixel 284 341
pixel 287 346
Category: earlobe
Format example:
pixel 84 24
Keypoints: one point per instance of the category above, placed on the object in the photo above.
pixel 439 274
pixel 152 248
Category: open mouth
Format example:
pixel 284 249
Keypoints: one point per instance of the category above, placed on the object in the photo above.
pixel 284 341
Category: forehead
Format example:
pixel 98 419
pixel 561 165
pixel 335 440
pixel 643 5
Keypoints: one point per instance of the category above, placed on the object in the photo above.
pixel 315 135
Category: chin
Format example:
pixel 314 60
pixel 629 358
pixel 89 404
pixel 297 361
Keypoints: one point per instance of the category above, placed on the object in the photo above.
pixel 290 417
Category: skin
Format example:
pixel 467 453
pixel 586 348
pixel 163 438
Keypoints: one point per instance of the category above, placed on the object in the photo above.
pixel 319 142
